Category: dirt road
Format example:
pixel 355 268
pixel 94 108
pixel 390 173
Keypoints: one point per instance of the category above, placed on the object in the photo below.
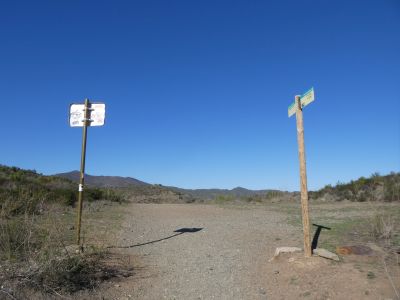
pixel 227 257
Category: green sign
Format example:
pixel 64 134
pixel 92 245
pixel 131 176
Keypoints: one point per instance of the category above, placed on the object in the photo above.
pixel 305 99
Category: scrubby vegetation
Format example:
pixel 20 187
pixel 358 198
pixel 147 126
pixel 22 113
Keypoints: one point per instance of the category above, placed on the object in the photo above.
pixel 375 188
pixel 25 191
pixel 254 198
pixel 34 236
pixel 265 196
pixel 35 251
pixel 156 194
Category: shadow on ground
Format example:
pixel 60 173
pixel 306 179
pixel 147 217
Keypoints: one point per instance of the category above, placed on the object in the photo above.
pixel 314 243
pixel 178 232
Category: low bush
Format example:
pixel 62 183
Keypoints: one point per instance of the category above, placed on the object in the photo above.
pixel 383 226
pixel 376 188
pixel 68 274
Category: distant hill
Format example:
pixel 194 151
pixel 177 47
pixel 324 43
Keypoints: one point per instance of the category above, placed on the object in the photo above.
pixel 374 188
pixel 211 194
pixel 131 189
pixel 134 186
pixel 103 181
pixel 129 182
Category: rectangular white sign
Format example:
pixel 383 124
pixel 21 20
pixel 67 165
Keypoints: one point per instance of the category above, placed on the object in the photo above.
pixel 97 114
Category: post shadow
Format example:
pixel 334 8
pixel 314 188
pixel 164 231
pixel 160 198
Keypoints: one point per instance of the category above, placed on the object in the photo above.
pixel 184 230
pixel 314 243
pixel 178 232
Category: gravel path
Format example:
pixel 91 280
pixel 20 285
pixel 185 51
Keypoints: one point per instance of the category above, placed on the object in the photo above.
pixel 224 260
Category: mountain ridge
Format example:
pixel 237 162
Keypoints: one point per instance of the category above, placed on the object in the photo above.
pixel 126 182
pixel 374 188
pixel 102 180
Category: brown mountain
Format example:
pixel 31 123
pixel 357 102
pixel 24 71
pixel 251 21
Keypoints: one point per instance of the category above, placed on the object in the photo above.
pixel 103 181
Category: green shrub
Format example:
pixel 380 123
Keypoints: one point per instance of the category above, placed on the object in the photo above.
pixel 65 196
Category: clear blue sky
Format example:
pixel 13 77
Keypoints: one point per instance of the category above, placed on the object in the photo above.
pixel 197 91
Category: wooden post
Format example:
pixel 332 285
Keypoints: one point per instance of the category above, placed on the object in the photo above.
pixel 303 178
pixel 82 173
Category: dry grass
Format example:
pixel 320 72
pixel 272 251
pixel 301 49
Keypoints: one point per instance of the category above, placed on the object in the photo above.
pixel 383 227
pixel 35 256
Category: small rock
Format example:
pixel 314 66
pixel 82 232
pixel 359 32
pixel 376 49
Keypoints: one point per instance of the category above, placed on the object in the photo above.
pixel 280 250
pixel 326 254
pixel 72 249
pixel 71 227
pixel 116 285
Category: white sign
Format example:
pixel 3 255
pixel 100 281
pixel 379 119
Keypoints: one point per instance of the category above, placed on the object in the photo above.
pixel 307 97
pixel 97 114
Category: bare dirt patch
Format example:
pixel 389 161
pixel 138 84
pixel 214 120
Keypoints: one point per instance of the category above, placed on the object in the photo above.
pixel 295 277
pixel 228 257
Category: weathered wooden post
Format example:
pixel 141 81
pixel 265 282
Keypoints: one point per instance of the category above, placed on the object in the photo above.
pixel 297 107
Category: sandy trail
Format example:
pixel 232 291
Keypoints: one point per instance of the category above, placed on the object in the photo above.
pixel 228 258
pixel 221 261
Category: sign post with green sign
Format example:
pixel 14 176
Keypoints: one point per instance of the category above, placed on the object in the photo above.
pixel 297 108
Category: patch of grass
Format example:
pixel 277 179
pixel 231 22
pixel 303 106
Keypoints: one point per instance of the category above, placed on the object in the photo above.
pixel 293 280
pixel 306 294
pixel 371 275
pixel 224 198
pixel 290 209
pixel 359 268
pixel 383 226
pixel 353 230
pixel 377 222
